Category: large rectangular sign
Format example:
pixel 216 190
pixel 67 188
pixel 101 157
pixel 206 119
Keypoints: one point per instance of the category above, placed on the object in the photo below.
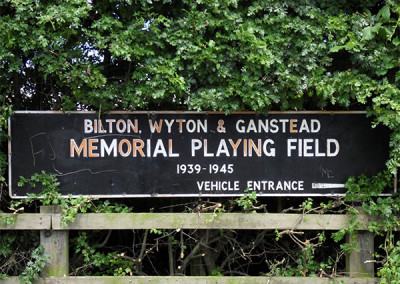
pixel 141 154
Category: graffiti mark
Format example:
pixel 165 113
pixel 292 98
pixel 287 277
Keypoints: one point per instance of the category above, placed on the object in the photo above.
pixel 37 139
pixel 325 172
pixel 79 171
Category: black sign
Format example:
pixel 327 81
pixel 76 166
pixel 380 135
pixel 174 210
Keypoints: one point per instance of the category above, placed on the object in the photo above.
pixel 195 154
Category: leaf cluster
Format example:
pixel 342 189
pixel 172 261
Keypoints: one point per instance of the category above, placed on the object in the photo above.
pixel 70 205
pixel 112 263
pixel 247 200
pixel 38 261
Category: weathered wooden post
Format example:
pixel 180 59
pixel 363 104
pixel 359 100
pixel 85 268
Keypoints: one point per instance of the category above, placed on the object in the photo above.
pixel 55 244
pixel 360 263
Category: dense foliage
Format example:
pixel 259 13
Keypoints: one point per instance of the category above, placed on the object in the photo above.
pixel 202 55
pixel 223 55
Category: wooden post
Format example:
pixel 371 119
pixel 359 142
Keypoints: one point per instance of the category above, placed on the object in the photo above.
pixel 56 245
pixel 360 263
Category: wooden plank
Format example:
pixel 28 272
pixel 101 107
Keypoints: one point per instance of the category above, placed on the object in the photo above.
pixel 55 244
pixel 26 221
pixel 194 279
pixel 259 221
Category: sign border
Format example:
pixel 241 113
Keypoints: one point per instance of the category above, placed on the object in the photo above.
pixel 176 112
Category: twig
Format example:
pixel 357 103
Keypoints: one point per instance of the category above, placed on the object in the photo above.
pixel 142 252
pixel 170 258
pixel 254 208
pixel 192 255
pixel 104 242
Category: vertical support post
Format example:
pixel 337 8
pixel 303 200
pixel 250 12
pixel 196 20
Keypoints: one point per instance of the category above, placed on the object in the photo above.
pixel 56 245
pixel 359 263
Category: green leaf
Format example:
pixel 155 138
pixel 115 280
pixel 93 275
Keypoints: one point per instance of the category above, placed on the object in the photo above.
pixel 367 33
pixel 384 13
pixel 337 48
pixel 396 41
pixel 385 32
pixel 381 72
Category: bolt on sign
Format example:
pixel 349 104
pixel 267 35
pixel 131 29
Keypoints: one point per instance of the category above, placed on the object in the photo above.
pixel 143 154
